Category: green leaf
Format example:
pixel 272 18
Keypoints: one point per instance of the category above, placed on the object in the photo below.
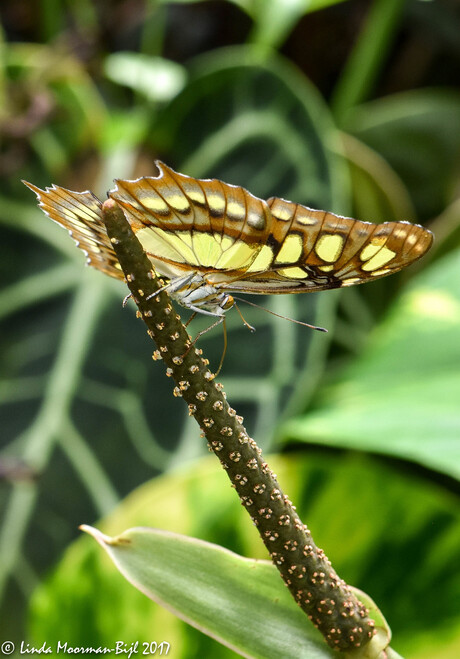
pixel 401 396
pixel 157 78
pixel 240 602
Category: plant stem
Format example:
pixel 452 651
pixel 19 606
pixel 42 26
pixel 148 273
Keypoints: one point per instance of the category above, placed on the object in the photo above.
pixel 367 57
pixel 319 591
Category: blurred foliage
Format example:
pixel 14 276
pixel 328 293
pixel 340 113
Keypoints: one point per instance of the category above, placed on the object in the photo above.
pixel 354 411
pixel 352 106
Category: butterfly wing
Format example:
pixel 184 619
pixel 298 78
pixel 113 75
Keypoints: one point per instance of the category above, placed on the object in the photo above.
pixel 321 250
pixel 235 240
pixel 80 213
pixel 187 224
pixel 242 243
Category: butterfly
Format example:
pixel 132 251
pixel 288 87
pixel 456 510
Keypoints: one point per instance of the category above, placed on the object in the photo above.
pixel 210 239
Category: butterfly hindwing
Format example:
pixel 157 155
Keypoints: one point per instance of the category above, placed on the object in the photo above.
pixel 80 213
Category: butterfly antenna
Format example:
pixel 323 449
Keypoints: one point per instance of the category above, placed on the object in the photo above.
pixel 293 320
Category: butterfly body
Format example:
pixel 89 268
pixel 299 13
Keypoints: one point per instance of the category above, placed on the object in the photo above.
pixel 193 292
pixel 210 239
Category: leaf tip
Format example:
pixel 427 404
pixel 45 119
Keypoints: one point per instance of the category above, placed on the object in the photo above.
pixel 103 539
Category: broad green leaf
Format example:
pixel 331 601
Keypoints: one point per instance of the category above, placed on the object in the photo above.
pixel 374 552
pixel 401 397
pixel 240 602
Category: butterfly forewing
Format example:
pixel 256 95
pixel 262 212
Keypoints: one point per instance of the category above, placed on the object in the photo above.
pixel 205 225
pixel 322 250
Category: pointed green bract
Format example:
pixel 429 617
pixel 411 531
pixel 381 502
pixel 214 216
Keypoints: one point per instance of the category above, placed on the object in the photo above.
pixel 238 601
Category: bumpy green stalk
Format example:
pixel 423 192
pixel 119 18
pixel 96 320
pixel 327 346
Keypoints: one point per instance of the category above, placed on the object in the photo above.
pixel 319 591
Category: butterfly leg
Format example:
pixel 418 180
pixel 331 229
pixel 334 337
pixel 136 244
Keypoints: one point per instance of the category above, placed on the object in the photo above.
pixel 245 322
pixel 173 285
pixel 220 319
